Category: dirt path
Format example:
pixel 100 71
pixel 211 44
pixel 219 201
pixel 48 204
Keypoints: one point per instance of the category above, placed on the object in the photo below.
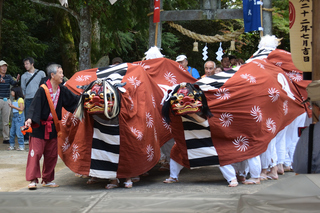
pixel 13 169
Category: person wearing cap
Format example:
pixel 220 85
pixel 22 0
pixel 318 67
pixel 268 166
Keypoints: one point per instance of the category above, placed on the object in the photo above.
pixel 5 82
pixel 305 160
pixel 117 60
pixel 182 59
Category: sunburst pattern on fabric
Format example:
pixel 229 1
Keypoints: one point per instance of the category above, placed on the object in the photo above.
pixel 149 120
pixel 241 143
pixel 295 76
pixel 226 119
pixel 81 78
pixel 278 64
pixel 132 104
pixel 273 94
pixel 170 77
pixel 155 134
pixel 74 120
pixel 66 144
pixel 182 68
pixel 134 82
pixel 258 64
pixel 285 107
pixel 65 118
pixel 75 152
pixel 248 77
pixel 256 113
pixel 223 94
pixel 153 101
pixel 166 125
pixel 150 152
pixel 137 133
pixel 143 65
pixel 271 125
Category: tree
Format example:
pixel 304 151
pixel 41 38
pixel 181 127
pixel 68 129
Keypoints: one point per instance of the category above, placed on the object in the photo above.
pixel 83 17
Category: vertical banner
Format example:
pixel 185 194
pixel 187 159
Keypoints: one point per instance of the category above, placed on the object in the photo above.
pixel 252 15
pixel 300 24
pixel 156 11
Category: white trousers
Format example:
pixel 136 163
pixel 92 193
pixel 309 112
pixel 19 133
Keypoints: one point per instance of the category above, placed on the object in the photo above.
pixel 227 171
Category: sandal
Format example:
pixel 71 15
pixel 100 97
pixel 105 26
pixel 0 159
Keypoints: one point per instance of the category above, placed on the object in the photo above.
pixel 50 185
pixel 111 186
pixel 135 179
pixel 81 176
pixel 233 184
pixel 32 186
pixel 164 167
pixel 128 184
pixel 171 180
pixel 92 180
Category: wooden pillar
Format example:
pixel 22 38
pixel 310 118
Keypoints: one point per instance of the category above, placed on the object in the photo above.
pixel 315 40
pixel 154 30
pixel 267 18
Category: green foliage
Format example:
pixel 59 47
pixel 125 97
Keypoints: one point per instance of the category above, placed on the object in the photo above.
pixel 26 34
pixel 38 31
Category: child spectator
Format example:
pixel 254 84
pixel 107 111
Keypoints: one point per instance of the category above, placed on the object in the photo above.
pixel 17 119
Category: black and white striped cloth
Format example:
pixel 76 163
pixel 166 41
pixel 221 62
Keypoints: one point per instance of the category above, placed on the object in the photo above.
pixel 201 151
pixel 217 80
pixel 113 72
pixel 105 150
pixel 106 138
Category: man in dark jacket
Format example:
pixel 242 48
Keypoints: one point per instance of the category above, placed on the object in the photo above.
pixel 43 140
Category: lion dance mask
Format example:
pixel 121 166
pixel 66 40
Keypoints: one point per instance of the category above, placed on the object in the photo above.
pixel 185 99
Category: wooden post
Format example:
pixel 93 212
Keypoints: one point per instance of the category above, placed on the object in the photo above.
pixel 267 18
pixel 155 29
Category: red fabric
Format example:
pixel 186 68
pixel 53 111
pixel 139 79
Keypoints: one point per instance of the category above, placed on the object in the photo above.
pixel 254 90
pixel 142 129
pixel 156 11
pixel 48 128
pixel 37 148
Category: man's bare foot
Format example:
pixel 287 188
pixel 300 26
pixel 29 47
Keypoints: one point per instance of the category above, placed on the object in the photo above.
pixel 287 169
pixel 233 183
pixel 263 175
pixel 241 178
pixel 113 184
pixel 273 174
pixel 280 169
pixel 252 181
pixel 92 180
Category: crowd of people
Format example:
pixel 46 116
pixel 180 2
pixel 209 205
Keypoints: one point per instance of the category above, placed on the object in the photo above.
pixel 210 67
pixel 39 106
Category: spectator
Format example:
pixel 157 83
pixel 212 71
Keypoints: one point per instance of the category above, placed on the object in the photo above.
pixel 240 61
pixel 5 82
pixel 307 161
pixel 219 68
pixel 209 69
pixel 43 139
pixel 17 118
pixel 30 81
pixel 182 59
pixel 233 61
pixel 117 60
pixel 225 62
